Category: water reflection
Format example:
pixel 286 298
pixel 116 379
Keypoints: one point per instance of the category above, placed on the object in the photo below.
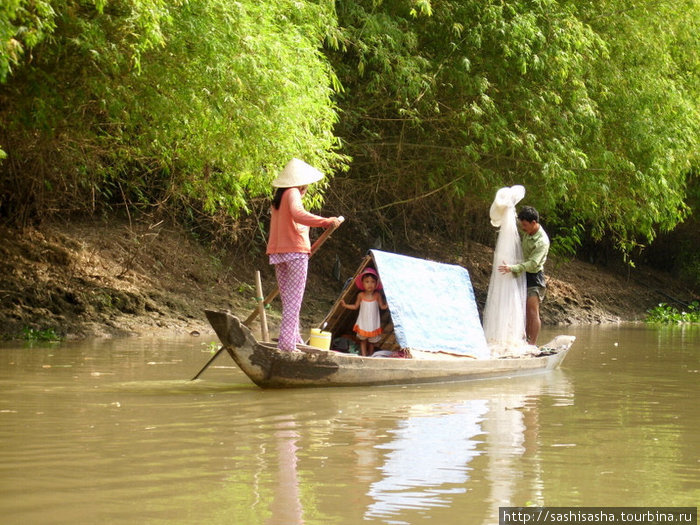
pixel 286 507
pixel 428 458
pixel 428 461
pixel 393 454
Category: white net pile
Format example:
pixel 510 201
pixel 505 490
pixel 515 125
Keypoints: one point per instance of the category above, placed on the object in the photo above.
pixel 504 313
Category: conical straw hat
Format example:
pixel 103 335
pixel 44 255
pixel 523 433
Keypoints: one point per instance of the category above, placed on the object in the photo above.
pixel 297 173
pixel 506 198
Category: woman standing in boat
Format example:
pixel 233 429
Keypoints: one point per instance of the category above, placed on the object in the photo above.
pixel 288 244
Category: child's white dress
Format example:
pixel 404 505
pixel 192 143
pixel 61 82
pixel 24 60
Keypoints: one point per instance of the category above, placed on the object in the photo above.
pixel 368 323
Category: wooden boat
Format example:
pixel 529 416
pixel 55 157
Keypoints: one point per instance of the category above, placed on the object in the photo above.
pixel 267 367
pixel 432 322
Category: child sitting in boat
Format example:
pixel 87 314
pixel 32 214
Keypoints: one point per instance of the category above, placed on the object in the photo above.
pixel 369 301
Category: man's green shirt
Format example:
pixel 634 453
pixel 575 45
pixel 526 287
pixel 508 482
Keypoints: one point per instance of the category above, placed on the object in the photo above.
pixel 535 249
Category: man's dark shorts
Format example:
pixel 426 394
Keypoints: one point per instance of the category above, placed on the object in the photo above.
pixel 537 291
pixel 536 285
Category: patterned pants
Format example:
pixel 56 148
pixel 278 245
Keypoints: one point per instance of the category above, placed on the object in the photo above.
pixel 291 279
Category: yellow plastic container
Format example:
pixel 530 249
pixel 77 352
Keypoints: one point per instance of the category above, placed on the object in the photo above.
pixel 320 339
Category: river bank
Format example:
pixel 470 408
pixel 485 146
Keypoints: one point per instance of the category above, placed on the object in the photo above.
pixel 91 278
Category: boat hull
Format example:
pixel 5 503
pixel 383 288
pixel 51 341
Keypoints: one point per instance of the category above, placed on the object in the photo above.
pixel 268 367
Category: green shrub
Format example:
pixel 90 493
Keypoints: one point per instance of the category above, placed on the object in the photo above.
pixel 663 313
pixel 32 334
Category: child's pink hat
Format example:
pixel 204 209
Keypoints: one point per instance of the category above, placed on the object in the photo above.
pixel 367 271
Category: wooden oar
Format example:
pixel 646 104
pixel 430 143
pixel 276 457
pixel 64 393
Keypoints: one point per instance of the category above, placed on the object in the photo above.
pixel 268 299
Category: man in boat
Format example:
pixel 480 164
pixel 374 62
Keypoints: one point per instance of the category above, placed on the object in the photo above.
pixel 535 244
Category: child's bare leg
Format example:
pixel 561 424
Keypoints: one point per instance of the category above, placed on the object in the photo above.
pixel 363 347
pixel 370 349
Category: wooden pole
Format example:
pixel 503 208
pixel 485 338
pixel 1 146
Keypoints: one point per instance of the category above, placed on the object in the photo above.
pixel 261 307
pixel 211 360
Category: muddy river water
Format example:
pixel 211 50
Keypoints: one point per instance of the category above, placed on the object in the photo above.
pixel 113 431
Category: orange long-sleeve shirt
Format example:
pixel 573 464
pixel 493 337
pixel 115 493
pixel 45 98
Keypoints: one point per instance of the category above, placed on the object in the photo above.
pixel 289 226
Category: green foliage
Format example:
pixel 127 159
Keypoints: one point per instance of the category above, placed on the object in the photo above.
pixel 257 93
pixel 23 25
pixel 665 314
pixel 646 100
pixel 194 105
pixel 677 251
pixel 685 239
pixel 212 346
pixel 246 289
pixel 569 240
pixel 591 105
pixel 48 335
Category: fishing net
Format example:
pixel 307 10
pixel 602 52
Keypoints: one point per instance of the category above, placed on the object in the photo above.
pixel 504 313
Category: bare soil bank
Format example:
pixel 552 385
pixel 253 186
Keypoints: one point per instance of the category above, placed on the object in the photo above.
pixel 90 278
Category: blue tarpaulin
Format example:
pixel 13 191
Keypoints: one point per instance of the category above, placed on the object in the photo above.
pixel 432 305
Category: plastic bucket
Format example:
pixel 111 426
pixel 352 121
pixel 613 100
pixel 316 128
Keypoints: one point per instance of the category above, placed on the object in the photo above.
pixel 320 339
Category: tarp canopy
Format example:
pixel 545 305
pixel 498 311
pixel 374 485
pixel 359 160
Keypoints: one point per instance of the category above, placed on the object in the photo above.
pixel 432 306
